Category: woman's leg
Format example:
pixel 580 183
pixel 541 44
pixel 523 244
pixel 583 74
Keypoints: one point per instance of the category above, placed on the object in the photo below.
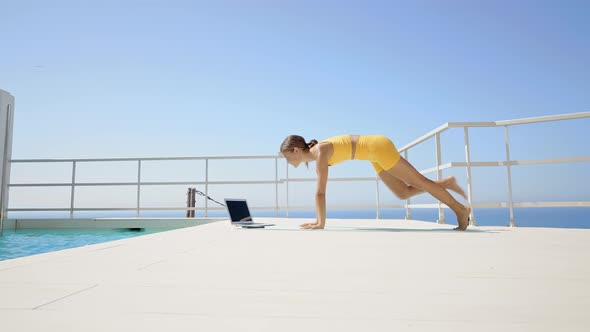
pixel 403 191
pixel 405 172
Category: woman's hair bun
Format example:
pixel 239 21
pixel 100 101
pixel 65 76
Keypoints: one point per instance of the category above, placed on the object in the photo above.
pixel 312 143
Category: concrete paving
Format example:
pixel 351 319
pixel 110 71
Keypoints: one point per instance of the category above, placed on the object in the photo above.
pixel 369 275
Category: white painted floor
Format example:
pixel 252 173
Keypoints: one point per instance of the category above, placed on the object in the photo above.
pixel 356 275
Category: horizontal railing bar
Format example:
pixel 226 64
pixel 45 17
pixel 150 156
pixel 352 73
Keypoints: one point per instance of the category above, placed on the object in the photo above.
pixel 138 159
pixel 434 169
pixel 552 204
pixel 424 137
pixel 471 124
pixel 443 128
pixel 218 208
pixel 504 163
pixel 134 209
pixel 243 182
pixel 360 179
pixel 440 129
pixel 210 182
pixel 40 185
pixel 534 204
pixel 37 209
pixel 311 207
pixel 68 209
pixel 569 116
pixel 103 184
pixel 341 207
pixel 515 204
pixel 172 183
pixel 424 205
pixel 523 162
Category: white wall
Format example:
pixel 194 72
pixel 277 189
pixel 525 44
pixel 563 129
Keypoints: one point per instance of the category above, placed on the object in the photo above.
pixel 6 125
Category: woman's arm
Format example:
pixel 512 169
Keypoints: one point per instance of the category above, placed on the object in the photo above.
pixel 320 195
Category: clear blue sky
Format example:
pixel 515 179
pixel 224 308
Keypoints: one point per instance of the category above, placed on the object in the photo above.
pixel 193 78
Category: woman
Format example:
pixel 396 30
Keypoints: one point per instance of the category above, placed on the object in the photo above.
pixel 396 172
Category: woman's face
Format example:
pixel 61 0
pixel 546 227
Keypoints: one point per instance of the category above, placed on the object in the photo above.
pixel 293 157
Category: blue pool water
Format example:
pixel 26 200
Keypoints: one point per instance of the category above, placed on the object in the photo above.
pixel 28 242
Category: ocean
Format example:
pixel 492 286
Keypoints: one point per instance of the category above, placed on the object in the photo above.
pixel 576 217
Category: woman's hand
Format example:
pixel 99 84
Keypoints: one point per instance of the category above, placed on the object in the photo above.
pixel 315 225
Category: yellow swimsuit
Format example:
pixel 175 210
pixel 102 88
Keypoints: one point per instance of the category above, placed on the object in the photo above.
pixel 378 149
pixel 342 149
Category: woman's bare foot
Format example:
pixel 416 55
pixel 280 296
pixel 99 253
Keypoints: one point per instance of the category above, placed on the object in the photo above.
pixel 451 184
pixel 463 219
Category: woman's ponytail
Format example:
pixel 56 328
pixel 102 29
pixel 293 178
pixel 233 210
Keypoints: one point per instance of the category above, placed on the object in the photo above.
pixel 312 143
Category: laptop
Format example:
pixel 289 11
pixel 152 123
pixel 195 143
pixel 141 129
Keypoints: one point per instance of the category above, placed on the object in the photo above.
pixel 239 214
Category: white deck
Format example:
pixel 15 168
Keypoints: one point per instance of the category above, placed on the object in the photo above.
pixel 357 275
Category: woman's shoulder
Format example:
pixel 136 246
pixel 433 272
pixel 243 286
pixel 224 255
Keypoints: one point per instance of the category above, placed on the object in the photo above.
pixel 325 146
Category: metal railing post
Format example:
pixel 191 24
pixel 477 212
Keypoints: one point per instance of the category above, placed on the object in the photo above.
pixel 73 190
pixel 206 187
pixel 277 186
pixel 408 210
pixel 138 185
pixel 441 213
pixel 378 204
pixel 510 203
pixel 469 180
pixel 287 190
pixel 5 163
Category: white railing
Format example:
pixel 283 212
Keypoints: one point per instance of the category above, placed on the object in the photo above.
pixel 139 183
pixel 467 164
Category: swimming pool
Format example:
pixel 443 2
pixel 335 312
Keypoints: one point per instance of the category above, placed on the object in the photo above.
pixel 26 242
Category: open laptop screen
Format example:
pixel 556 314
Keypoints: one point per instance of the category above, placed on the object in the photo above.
pixel 238 210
